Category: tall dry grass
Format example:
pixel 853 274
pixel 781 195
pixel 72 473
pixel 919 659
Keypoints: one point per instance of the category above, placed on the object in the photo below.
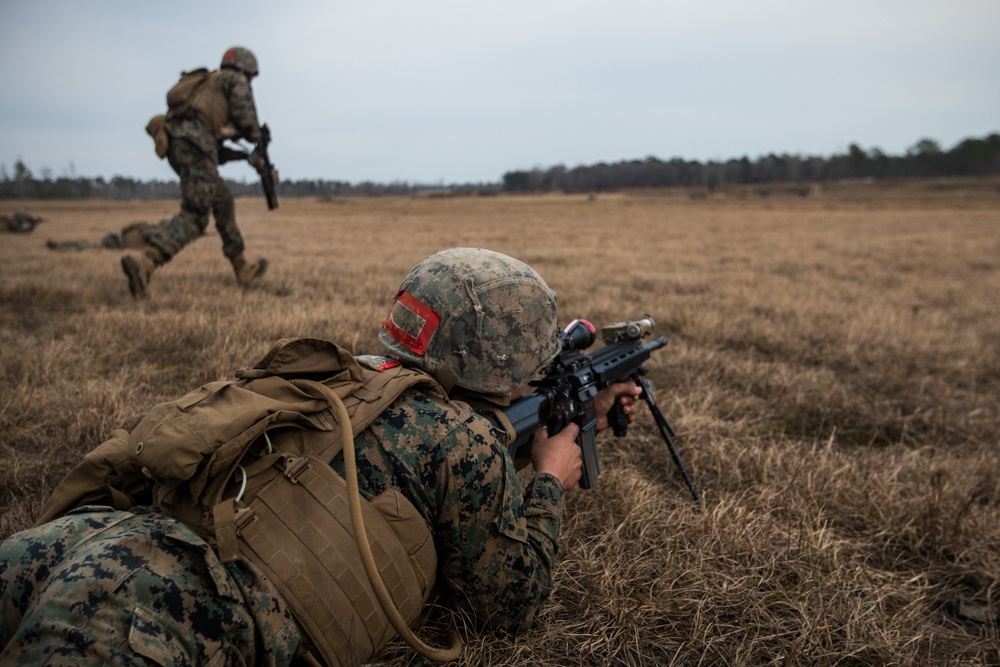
pixel 833 375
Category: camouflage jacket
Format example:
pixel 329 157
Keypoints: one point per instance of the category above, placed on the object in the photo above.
pixel 496 541
pixel 236 90
pixel 99 586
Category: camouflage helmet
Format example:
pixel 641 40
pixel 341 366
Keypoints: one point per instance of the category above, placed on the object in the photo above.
pixel 241 59
pixel 473 318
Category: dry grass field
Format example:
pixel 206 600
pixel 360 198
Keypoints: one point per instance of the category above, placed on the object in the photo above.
pixel 833 374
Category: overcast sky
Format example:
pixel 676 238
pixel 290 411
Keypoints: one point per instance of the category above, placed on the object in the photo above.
pixel 463 91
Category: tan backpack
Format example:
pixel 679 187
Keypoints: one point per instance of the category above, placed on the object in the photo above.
pixel 157 129
pixel 182 94
pixel 180 100
pixel 245 462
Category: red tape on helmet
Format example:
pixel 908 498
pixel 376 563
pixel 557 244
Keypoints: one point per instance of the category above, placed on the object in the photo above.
pixel 428 319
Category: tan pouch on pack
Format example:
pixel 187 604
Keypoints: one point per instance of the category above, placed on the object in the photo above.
pixel 157 128
pixel 294 525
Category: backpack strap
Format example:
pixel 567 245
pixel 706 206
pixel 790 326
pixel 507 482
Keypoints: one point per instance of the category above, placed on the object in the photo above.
pixel 378 390
pixel 388 605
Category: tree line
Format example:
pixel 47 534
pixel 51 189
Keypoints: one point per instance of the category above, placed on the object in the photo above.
pixel 23 184
pixel 970 157
pixel 925 159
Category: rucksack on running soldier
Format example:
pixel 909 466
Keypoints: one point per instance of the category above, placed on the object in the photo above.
pixel 179 99
pixel 192 95
pixel 180 96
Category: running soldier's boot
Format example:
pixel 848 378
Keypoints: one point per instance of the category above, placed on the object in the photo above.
pixel 248 273
pixel 139 270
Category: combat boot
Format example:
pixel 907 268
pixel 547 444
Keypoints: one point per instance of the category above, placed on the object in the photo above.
pixel 139 270
pixel 248 273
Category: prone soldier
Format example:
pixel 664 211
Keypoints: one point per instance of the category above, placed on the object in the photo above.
pixel 21 222
pixel 249 554
pixel 133 236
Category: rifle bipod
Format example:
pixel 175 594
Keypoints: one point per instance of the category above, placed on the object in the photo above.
pixel 668 433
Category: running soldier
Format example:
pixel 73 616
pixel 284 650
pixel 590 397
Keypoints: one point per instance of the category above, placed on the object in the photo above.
pixel 204 109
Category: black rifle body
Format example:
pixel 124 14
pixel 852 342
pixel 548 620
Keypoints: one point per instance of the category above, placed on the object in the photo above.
pixel 567 395
pixel 567 391
pixel 266 170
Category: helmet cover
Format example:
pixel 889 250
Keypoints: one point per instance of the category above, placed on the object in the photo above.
pixel 473 318
pixel 241 59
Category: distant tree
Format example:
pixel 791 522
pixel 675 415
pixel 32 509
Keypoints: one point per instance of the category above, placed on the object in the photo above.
pixel 857 161
pixel 926 147
pixel 878 163
pixel 21 171
pixel 924 158
pixel 972 157
pixel 516 181
pixel 24 181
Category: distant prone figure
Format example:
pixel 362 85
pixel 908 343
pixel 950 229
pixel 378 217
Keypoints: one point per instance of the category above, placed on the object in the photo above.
pixel 133 236
pixel 21 222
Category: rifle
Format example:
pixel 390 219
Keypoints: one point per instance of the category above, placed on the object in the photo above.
pixel 260 161
pixel 571 382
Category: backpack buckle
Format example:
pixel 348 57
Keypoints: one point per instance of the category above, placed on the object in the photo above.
pixel 242 516
pixel 295 466
pixel 229 519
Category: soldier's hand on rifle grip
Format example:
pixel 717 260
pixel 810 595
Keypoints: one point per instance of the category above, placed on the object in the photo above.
pixel 256 161
pixel 615 406
pixel 558 455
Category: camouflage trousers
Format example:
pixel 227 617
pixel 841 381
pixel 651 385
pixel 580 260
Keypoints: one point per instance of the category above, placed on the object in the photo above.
pixel 103 587
pixel 203 192
pixel 134 235
pixel 111 241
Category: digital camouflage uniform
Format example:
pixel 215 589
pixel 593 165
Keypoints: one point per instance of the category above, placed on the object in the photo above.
pixel 135 235
pixel 101 585
pixel 203 110
pixel 496 541
pixel 105 587
pixel 194 154
pixel 485 324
